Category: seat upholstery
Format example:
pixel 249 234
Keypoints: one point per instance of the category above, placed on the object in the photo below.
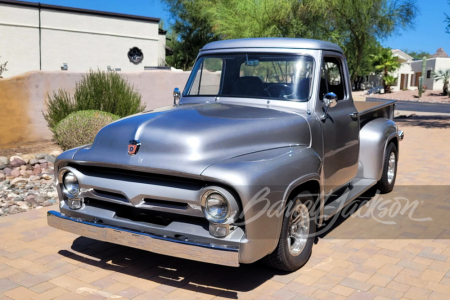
pixel 249 86
pixel 323 88
pixel 303 88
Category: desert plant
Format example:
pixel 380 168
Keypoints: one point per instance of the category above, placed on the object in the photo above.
pixel 60 105
pixel 388 82
pixel 445 77
pixel 81 127
pixel 421 78
pixel 97 90
pixel 3 68
pixel 385 62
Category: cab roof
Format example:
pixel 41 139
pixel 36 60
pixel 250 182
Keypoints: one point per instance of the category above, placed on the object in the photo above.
pixel 287 43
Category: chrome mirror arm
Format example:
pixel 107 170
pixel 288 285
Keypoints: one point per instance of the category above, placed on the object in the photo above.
pixel 325 114
pixel 176 96
pixel 330 100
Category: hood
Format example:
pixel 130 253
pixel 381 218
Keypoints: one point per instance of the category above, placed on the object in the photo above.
pixel 188 139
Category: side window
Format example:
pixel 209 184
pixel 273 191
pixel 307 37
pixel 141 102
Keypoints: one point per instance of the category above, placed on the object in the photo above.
pixel 207 78
pixel 332 79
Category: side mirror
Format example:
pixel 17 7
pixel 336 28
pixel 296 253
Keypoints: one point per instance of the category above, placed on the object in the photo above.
pixel 330 100
pixel 176 96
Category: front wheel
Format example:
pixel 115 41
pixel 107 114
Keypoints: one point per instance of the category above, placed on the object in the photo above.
pixel 387 181
pixel 297 235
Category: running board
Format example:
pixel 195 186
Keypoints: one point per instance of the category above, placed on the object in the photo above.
pixel 356 189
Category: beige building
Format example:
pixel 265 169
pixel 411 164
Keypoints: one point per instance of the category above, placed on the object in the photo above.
pixel 47 37
pixel 410 70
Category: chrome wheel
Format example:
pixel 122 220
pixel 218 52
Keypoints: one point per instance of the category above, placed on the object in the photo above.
pixel 298 229
pixel 391 168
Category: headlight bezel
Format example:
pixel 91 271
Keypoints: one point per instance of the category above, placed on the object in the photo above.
pixel 61 177
pixel 209 216
pixel 232 205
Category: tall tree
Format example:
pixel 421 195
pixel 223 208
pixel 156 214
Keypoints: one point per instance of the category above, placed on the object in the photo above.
pixel 361 20
pixel 384 62
pixel 266 18
pixel 365 66
pixel 190 31
pixel 356 25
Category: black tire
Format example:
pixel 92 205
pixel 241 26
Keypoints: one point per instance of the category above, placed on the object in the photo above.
pixel 281 258
pixel 385 185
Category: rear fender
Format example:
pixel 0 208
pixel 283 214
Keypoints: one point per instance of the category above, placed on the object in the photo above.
pixel 374 137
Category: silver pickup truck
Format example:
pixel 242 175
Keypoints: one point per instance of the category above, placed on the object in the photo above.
pixel 263 146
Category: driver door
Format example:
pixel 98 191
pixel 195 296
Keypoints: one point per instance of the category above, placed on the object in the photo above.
pixel 340 128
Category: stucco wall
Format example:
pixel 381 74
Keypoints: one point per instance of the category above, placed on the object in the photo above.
pixel 431 65
pixel 434 64
pixel 405 68
pixel 441 64
pixel 22 99
pixel 162 50
pixel 19 36
pixel 82 41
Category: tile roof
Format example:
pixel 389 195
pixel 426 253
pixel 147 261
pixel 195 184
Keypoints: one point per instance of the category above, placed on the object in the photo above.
pixel 440 53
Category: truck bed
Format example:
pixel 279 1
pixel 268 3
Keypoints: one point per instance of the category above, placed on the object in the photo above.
pixel 374 109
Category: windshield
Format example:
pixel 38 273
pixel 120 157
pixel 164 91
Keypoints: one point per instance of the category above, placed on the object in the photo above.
pixel 253 75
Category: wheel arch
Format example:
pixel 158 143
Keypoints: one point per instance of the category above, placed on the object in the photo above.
pixel 310 183
pixel 375 136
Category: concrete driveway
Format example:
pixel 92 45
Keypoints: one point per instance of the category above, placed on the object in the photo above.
pixel 365 256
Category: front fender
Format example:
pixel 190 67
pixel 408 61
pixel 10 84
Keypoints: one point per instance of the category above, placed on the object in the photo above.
pixel 263 181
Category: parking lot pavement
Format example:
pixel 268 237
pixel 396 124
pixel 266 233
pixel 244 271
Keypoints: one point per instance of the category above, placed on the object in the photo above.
pixel 369 255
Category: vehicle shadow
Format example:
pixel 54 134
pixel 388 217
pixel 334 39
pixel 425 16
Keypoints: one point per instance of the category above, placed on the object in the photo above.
pixel 437 94
pixel 424 121
pixel 354 206
pixel 172 273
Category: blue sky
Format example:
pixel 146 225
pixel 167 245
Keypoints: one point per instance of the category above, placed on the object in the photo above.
pixel 428 34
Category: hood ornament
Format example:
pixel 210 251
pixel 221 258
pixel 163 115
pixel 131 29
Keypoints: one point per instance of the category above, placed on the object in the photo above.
pixel 133 147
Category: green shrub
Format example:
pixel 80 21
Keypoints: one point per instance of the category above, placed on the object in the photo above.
pixel 60 105
pixel 80 128
pixel 100 90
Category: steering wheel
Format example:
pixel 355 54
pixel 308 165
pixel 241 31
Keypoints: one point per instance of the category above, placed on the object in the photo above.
pixel 279 90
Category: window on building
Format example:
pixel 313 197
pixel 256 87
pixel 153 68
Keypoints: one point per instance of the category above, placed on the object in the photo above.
pixel 429 74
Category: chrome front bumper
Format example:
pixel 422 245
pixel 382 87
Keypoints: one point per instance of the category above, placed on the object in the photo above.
pixel 215 254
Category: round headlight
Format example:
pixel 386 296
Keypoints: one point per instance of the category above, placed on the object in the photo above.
pixel 216 206
pixel 70 182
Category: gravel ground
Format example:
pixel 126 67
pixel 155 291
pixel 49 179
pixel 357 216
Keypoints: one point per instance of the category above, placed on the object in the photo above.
pixel 26 182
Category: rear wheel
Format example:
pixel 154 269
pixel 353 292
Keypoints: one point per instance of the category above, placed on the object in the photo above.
pixel 297 235
pixel 387 181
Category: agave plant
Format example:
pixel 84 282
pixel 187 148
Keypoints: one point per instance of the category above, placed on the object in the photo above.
pixel 388 81
pixel 445 77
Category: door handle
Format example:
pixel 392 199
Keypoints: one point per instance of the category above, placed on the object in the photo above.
pixel 354 116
